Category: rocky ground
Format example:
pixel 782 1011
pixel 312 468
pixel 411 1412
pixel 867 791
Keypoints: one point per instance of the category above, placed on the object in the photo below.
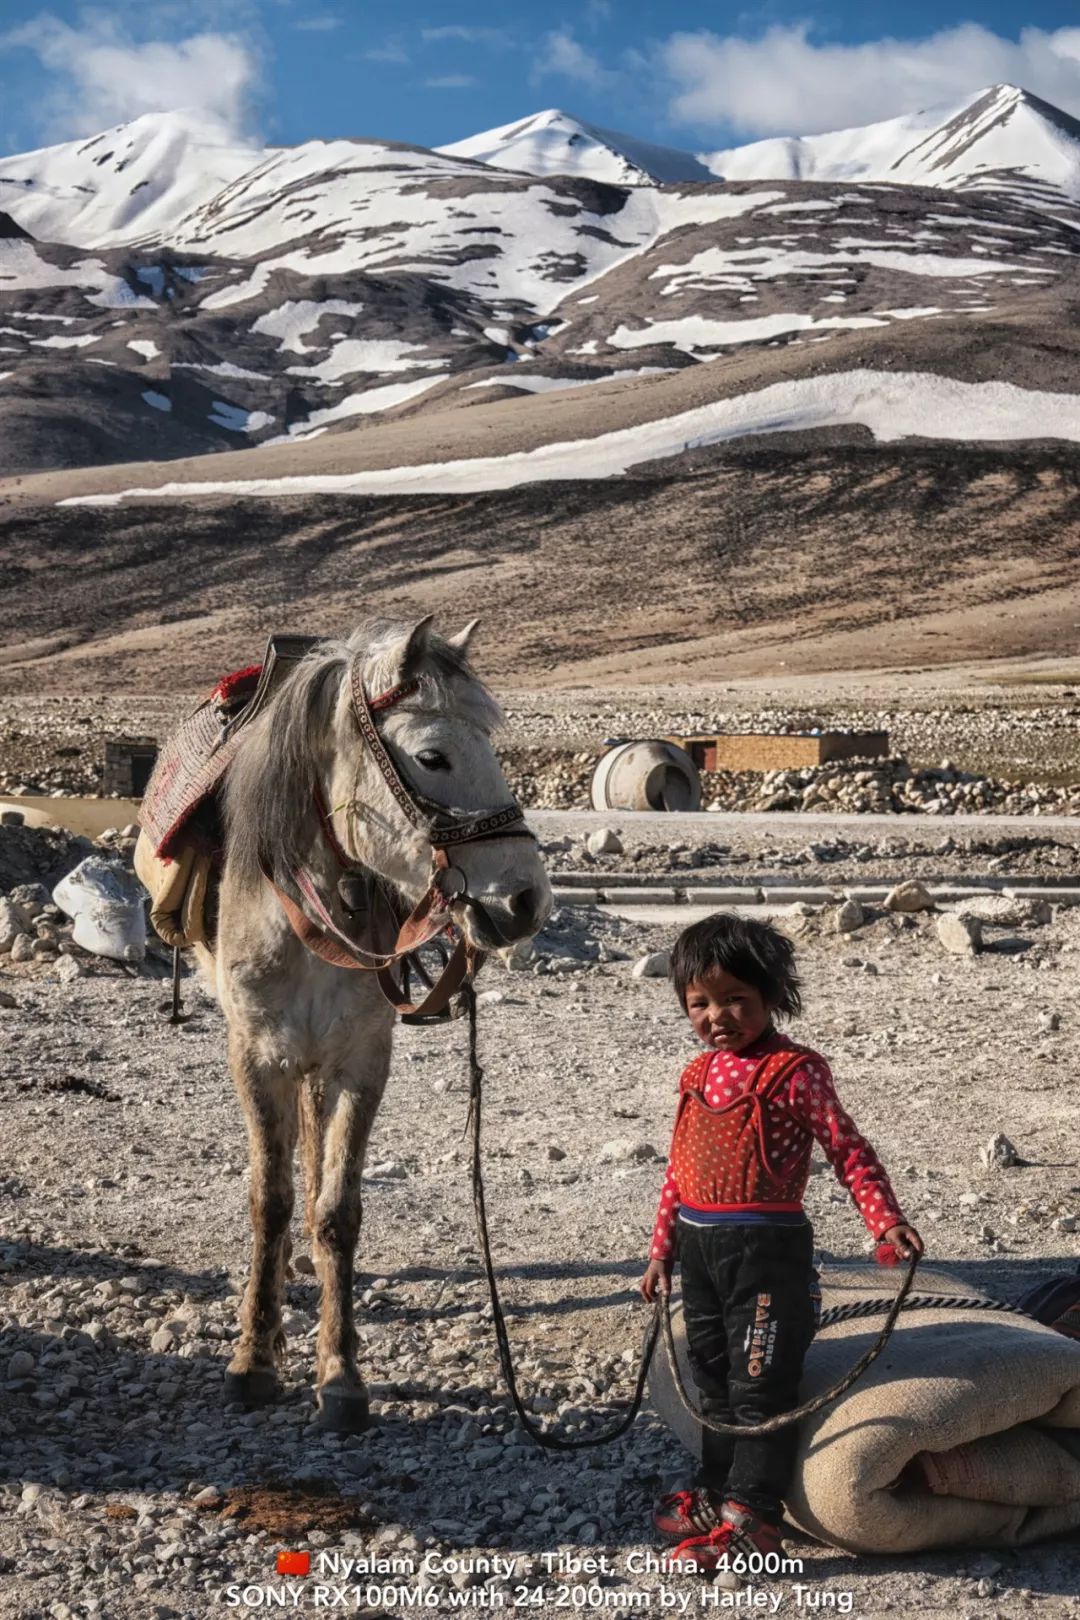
pixel 130 1492
pixel 1010 751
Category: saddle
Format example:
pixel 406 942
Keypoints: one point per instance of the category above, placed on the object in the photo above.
pixel 180 851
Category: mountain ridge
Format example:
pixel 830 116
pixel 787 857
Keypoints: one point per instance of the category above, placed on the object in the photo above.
pixel 556 142
pixel 331 284
pixel 139 181
pixel 1001 129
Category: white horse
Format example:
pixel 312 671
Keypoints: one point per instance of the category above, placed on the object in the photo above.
pixel 309 1042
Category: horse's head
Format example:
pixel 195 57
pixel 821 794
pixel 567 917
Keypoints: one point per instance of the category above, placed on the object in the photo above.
pixel 437 732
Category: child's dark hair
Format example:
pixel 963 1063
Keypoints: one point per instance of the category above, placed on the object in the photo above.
pixel 749 950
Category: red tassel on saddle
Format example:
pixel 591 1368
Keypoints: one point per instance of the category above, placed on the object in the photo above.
pixel 241 681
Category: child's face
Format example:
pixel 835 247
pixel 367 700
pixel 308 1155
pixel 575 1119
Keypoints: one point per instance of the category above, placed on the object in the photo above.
pixel 726 1013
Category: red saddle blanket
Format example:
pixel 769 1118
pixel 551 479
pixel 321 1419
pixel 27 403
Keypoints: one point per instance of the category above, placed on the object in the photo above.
pixel 179 806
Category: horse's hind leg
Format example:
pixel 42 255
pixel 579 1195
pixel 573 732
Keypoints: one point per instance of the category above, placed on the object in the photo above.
pixel 343 1402
pixel 269 1100
pixel 312 1104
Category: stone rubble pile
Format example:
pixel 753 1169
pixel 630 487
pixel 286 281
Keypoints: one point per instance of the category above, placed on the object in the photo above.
pixel 1003 728
pixel 548 780
pixel 34 929
pixel 885 787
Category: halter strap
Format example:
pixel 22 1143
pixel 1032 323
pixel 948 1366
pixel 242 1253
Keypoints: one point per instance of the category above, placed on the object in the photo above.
pixel 442 825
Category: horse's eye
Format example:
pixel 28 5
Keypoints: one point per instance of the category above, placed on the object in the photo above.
pixel 432 760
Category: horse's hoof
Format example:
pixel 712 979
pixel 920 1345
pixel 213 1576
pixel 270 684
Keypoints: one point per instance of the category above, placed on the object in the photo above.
pixel 344 1411
pixel 255 1388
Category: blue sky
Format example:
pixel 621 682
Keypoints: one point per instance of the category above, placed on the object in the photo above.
pixel 694 74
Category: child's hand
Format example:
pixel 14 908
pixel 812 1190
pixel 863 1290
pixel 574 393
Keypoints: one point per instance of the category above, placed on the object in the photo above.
pixel 658 1275
pixel 904 1240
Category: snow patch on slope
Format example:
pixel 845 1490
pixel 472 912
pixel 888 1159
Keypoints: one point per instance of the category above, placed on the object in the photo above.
pixel 376 355
pixel 293 320
pixel 892 405
pixel 366 404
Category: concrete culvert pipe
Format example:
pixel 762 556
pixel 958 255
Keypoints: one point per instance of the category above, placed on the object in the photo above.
pixel 646 775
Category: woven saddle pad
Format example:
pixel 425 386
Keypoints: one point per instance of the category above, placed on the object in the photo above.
pixel 194 758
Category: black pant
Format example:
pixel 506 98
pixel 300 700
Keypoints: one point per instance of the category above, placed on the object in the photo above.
pixel 750 1296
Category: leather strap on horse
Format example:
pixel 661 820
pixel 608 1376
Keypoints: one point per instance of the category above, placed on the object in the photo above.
pixel 430 917
pixel 444 827
pixel 331 944
pixel 661 1316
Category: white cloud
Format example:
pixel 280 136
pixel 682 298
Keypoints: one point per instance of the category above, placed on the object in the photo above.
pixel 562 55
pixel 451 81
pixel 390 51
pixel 318 25
pixel 103 77
pixel 466 36
pixel 784 83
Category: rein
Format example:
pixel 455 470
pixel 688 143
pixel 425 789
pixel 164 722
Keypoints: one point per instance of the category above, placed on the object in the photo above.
pixel 445 828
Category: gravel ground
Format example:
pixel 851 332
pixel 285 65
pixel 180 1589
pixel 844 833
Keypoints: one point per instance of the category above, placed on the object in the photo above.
pixel 131 1492
pixel 56 743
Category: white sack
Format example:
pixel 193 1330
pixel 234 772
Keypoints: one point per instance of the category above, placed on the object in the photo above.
pixel 106 907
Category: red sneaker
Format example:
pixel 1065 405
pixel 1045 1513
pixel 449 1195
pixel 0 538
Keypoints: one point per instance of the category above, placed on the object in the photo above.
pixel 685 1513
pixel 740 1534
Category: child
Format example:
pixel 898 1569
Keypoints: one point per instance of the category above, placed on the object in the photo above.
pixel 749 1110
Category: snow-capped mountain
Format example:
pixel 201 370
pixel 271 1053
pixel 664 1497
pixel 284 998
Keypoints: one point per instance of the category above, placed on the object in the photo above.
pixel 165 294
pixel 125 184
pixel 554 142
pixel 998 134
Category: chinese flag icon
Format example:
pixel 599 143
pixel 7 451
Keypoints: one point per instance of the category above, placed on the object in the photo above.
pixel 293 1563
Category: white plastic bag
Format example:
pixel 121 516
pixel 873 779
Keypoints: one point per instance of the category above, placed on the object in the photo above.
pixel 106 906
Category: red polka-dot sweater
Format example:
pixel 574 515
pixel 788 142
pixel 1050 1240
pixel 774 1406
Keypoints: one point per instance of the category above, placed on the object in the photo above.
pixel 807 1104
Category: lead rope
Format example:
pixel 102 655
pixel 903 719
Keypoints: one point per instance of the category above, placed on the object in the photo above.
pixel 555 1442
pixel 808 1408
pixel 661 1316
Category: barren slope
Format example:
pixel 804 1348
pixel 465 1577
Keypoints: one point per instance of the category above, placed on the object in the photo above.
pixel 755 560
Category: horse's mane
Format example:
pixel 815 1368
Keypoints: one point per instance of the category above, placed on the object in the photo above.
pixel 268 788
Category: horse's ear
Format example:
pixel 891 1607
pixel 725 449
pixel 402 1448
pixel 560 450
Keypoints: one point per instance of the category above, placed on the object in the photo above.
pixel 463 637
pixel 414 648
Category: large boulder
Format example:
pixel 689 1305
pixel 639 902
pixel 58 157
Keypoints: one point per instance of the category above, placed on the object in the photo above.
pixel 960 934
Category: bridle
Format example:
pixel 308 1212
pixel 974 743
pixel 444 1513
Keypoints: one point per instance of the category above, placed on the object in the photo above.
pixel 445 829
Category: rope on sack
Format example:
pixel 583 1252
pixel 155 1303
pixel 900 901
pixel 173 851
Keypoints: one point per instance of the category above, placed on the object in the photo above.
pixel 920 1302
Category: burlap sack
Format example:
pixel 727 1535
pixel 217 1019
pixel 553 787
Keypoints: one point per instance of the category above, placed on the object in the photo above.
pixel 178 891
pixel 993 1398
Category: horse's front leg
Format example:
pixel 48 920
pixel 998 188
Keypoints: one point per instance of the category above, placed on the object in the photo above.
pixel 269 1099
pixel 351 1102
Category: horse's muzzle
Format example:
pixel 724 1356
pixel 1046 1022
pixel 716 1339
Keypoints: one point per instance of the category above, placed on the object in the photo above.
pixel 493 923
